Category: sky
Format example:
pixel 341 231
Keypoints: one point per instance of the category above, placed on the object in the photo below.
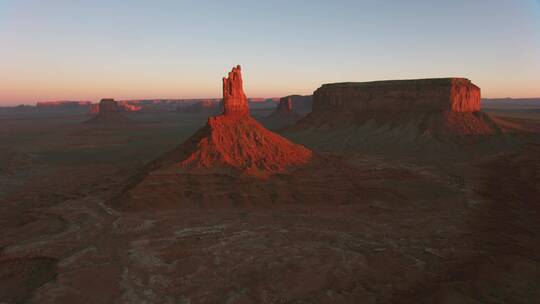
pixel 87 50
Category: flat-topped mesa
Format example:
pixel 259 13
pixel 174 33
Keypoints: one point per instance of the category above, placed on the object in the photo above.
pixel 418 95
pixel 234 99
pixel 108 105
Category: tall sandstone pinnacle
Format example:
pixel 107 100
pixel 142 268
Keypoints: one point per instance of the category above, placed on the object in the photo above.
pixel 236 140
pixel 230 145
pixel 234 99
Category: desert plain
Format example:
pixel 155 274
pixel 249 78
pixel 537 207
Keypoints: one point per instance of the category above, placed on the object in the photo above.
pixel 381 212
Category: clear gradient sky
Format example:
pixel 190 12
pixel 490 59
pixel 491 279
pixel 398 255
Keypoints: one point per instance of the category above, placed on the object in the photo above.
pixel 85 50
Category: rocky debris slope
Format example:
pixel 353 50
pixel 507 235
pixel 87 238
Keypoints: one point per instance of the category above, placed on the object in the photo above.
pixel 235 140
pixel 230 144
pixel 447 108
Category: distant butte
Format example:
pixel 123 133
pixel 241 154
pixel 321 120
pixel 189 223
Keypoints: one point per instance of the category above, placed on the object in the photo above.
pixel 285 115
pixel 108 112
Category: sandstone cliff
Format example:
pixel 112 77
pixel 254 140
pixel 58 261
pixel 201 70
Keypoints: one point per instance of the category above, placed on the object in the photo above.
pixel 300 104
pixel 445 108
pixel 234 99
pixel 422 95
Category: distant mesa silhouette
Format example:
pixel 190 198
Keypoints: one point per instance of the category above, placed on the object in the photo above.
pixel 234 100
pixel 283 116
pixel 108 112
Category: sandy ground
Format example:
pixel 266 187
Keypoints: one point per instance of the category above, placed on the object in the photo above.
pixel 372 220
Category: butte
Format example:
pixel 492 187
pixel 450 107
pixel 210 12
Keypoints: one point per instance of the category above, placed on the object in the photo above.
pixel 284 115
pixel 217 162
pixel 107 112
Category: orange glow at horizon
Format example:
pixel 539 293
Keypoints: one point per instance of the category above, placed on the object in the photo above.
pixel 87 50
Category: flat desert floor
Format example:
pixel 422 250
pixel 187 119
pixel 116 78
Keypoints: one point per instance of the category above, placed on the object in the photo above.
pixel 373 220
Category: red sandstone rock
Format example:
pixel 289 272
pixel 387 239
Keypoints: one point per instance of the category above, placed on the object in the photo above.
pixel 234 99
pixel 234 140
pixel 447 108
pixel 421 95
pixel 94 109
pixel 125 106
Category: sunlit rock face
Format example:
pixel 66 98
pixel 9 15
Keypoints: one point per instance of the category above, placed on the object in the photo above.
pixel 234 99
pixel 236 140
pixel 230 143
pixel 422 95
pixel 447 109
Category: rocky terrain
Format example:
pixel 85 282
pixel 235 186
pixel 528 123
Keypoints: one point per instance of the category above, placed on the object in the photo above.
pixel 421 114
pixel 125 215
pixel 283 116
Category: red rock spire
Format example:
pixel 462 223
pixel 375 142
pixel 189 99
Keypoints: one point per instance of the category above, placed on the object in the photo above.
pixel 234 99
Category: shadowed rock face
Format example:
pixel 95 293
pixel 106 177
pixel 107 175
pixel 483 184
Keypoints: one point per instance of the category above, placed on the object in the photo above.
pixel 285 105
pixel 108 105
pixel 421 95
pixel 234 99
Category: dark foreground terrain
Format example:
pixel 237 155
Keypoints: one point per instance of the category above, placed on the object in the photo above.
pixel 369 221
